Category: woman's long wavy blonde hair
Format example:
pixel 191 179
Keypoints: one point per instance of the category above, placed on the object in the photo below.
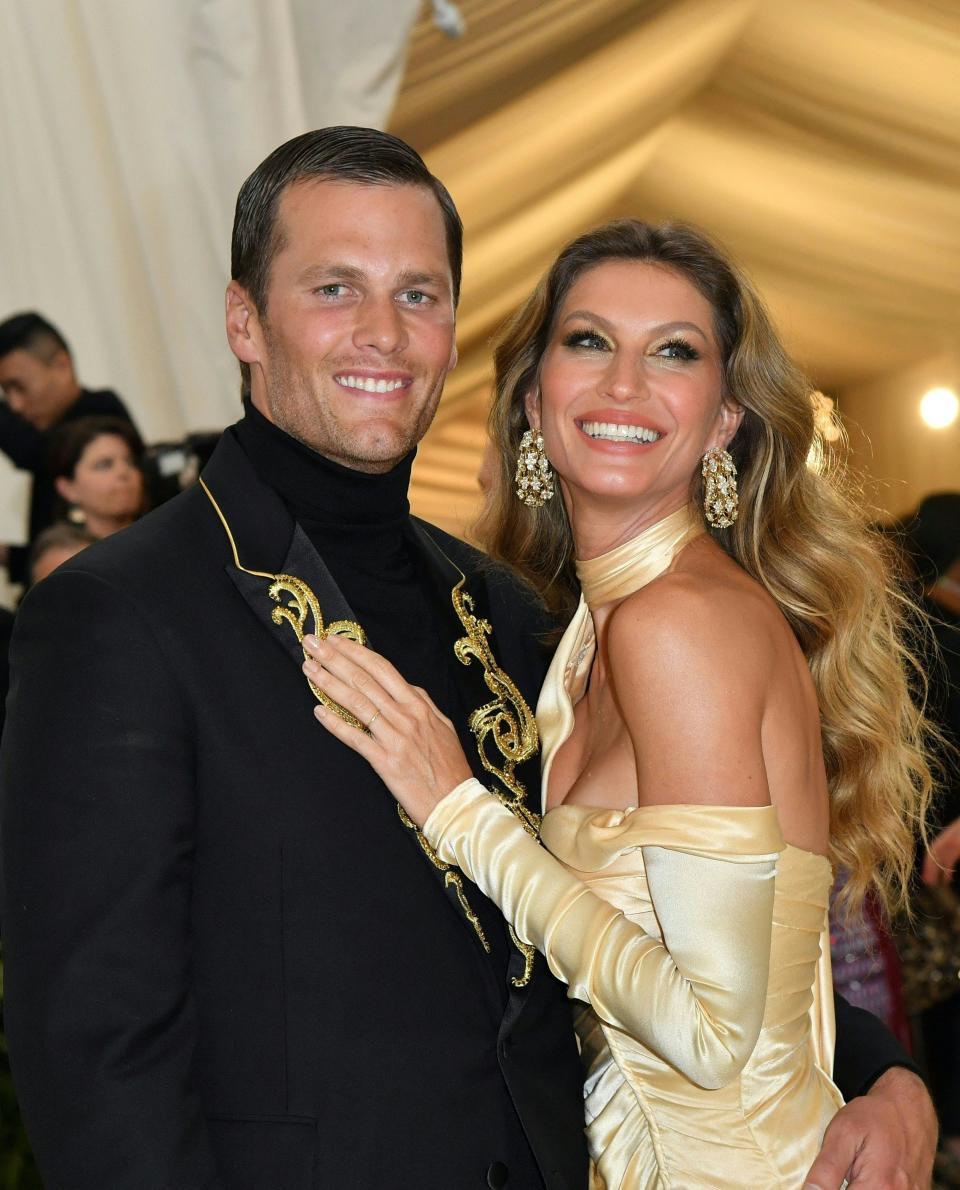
pixel 802 532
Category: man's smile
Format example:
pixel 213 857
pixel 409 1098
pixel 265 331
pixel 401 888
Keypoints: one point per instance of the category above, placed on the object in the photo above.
pixel 382 383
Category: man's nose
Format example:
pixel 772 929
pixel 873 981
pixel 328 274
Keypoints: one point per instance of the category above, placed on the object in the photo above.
pixel 380 326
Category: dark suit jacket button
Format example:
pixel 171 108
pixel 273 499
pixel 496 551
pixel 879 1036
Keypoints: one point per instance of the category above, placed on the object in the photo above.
pixel 497 1176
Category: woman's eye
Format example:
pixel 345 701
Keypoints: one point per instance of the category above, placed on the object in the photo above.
pixel 678 349
pixel 586 338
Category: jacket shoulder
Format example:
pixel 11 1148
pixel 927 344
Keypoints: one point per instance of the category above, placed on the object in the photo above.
pixel 170 541
pixel 509 595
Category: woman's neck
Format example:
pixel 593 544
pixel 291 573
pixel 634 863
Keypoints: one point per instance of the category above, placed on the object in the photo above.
pixel 600 526
pixel 98 526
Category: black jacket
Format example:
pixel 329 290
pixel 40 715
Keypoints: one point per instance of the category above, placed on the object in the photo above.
pixel 228 963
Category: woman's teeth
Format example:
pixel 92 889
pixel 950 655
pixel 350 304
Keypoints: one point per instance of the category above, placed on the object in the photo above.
pixel 610 431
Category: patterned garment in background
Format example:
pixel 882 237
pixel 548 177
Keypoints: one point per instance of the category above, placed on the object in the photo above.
pixel 866 970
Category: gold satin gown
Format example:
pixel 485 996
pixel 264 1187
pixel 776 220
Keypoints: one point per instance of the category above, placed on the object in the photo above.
pixel 693 937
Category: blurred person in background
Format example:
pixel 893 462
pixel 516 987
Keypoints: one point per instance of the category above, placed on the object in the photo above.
pixel 95 464
pixel 932 544
pixel 42 393
pixel 57 544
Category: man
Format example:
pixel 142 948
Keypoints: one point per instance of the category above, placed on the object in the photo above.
pixel 230 963
pixel 42 393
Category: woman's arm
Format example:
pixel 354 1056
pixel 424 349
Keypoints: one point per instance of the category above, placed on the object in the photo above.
pixel 696 997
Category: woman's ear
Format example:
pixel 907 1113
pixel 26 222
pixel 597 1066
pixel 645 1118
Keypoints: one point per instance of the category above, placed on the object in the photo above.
pixel 531 403
pixel 731 415
pixel 65 488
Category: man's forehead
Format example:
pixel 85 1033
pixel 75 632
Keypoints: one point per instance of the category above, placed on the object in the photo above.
pixel 326 207
pixel 17 362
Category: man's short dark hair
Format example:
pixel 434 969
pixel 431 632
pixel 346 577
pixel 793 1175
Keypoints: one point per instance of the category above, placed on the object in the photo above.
pixel 345 153
pixel 31 332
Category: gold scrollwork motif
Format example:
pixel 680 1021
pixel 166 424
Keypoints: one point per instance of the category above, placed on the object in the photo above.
pixel 506 722
pixel 302 603
pixel 451 876
pixel 509 725
pixel 529 954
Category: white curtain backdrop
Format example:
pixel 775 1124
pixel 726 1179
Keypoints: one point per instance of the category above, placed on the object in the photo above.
pixel 126 128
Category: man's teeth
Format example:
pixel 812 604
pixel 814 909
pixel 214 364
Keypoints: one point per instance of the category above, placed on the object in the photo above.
pixel 611 431
pixel 369 384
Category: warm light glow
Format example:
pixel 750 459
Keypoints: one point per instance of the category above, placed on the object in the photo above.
pixel 939 408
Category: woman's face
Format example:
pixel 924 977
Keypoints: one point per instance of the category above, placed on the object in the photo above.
pixel 106 482
pixel 630 389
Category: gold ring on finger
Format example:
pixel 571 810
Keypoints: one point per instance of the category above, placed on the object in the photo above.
pixel 373 718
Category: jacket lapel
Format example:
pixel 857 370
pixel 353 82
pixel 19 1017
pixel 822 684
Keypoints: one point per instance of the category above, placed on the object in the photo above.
pixel 297 594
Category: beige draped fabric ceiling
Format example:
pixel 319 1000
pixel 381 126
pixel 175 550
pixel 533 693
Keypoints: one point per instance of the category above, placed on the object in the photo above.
pixel 126 129
pixel 818 139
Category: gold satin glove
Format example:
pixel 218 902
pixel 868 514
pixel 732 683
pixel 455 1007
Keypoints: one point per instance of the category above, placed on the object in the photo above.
pixel 696 998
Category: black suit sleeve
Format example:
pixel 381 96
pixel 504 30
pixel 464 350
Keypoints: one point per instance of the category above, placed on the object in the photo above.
pixel 22 443
pixel 865 1049
pixel 97 839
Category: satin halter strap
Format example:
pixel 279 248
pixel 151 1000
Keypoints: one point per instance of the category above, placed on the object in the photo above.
pixel 611 576
pixel 632 565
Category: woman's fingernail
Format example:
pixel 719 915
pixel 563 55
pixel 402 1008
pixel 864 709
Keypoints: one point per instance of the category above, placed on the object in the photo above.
pixel 320 710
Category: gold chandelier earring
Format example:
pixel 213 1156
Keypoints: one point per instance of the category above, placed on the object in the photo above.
pixel 534 478
pixel 720 501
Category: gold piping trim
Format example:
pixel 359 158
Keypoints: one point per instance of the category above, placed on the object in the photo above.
pixel 301 603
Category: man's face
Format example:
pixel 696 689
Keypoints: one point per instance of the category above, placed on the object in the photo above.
pixel 38 389
pixel 358 334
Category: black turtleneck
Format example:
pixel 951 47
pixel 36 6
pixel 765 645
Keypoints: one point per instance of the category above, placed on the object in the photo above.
pixel 360 525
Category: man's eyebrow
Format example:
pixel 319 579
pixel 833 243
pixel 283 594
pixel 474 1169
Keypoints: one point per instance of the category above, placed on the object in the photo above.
pixel 344 272
pixel 411 277
pixel 329 272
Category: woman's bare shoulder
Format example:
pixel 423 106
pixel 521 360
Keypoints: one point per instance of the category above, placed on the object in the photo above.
pixel 705 611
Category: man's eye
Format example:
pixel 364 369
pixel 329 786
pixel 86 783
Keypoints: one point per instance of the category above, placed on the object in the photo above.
pixel 416 297
pixel 334 289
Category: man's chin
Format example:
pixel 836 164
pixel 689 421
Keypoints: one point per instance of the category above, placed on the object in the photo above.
pixel 372 453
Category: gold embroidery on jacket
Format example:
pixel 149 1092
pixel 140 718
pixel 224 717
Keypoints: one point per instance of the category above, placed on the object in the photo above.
pixel 301 604
pixel 452 877
pixel 505 730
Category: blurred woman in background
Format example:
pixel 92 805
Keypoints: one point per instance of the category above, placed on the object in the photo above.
pixel 95 463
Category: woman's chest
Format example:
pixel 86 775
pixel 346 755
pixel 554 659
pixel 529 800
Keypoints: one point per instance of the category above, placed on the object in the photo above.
pixel 595 765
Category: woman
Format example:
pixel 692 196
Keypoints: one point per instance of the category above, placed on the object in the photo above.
pixel 97 475
pixel 725 717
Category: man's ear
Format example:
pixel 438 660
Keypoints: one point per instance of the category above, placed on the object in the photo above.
pixel 243 324
pixel 531 402
pixel 62 363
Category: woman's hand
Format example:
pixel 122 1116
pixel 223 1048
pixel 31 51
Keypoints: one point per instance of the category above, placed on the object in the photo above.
pixel 412 747
pixel 941 858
